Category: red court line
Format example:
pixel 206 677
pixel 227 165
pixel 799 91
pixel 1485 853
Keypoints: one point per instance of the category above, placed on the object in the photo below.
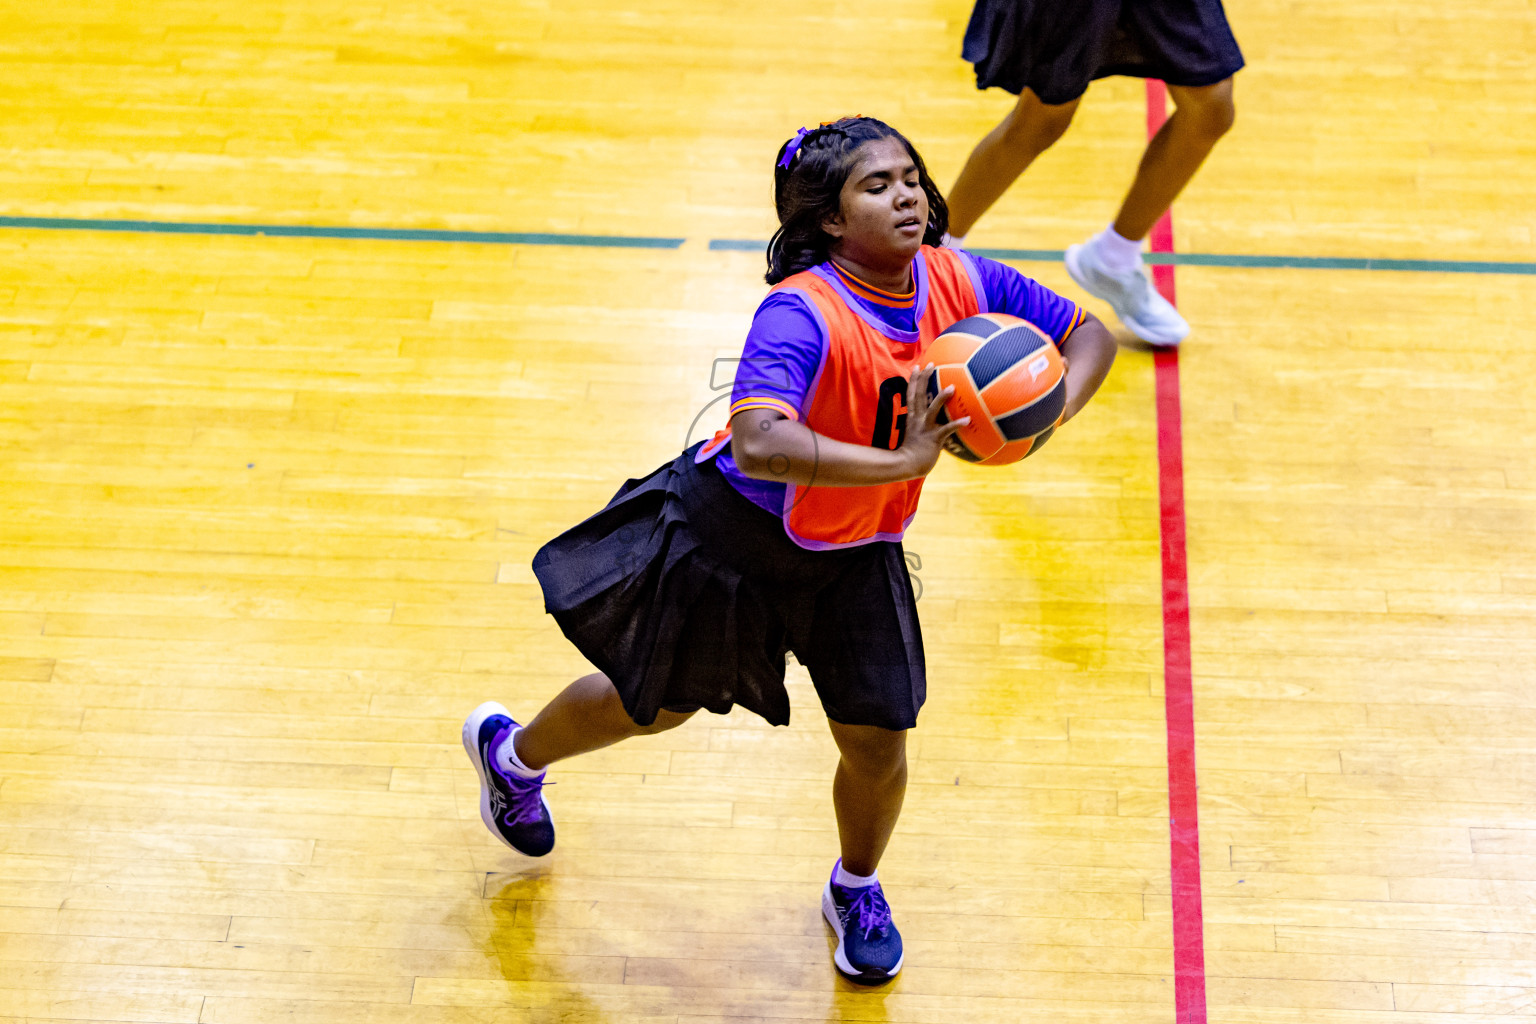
pixel 1178 683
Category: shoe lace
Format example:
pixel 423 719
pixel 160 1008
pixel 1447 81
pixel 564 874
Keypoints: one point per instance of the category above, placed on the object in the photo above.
pixel 871 910
pixel 522 800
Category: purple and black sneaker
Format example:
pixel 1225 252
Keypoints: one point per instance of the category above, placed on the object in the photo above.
pixel 868 944
pixel 512 807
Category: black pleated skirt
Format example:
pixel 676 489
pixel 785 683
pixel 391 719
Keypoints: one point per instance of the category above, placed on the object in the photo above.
pixel 1056 47
pixel 687 595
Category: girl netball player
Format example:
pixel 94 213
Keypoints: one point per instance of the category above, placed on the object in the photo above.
pixel 784 532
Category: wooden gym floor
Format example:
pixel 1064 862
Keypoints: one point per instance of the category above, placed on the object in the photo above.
pixel 267 506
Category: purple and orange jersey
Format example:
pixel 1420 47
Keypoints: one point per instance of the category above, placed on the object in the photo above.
pixel 835 353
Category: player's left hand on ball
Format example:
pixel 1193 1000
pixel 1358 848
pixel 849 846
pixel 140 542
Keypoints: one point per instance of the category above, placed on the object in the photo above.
pixel 925 435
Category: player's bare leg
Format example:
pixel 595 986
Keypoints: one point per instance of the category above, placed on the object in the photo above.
pixel 1109 265
pixel 1201 116
pixel 867 792
pixel 1030 128
pixel 510 759
pixel 586 715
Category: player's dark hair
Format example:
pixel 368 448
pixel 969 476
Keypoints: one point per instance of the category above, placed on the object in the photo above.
pixel 809 190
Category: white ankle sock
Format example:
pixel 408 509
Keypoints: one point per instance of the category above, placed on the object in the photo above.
pixel 1117 253
pixel 507 760
pixel 851 881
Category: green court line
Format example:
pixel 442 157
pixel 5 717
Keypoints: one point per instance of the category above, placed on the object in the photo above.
pixel 1211 259
pixel 1182 259
pixel 1216 259
pixel 308 231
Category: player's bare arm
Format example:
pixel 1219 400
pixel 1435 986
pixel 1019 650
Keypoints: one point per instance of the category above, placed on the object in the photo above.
pixel 767 445
pixel 1088 352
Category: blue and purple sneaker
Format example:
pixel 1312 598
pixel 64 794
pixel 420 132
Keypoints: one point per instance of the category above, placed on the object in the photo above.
pixel 511 806
pixel 868 944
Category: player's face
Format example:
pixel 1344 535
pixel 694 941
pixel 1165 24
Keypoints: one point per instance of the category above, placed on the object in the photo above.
pixel 884 208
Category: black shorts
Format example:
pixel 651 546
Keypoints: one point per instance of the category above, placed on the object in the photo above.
pixel 687 595
pixel 1056 47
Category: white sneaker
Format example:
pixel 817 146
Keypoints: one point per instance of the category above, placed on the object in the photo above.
pixel 1150 317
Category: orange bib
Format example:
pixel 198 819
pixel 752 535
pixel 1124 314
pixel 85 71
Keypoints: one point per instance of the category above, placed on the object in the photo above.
pixel 859 395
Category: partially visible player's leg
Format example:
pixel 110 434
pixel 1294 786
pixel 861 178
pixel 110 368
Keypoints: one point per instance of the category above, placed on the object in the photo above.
pixel 867 792
pixel 511 759
pixel 1201 116
pixel 1030 128
pixel 1109 265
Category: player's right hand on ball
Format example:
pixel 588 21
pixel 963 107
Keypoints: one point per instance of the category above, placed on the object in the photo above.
pixel 925 435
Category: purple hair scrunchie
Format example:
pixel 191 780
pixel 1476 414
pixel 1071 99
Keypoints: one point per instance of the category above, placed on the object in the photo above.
pixel 793 147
